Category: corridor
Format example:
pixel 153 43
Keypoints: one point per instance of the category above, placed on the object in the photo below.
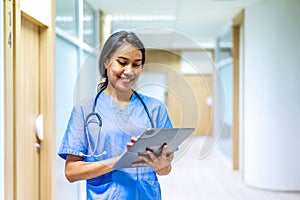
pixel 211 178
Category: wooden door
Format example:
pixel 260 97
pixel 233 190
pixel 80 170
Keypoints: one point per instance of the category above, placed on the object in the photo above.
pixel 202 88
pixel 29 90
pixel 27 109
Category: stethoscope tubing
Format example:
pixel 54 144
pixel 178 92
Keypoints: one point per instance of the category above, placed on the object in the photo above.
pixel 134 92
pixel 87 121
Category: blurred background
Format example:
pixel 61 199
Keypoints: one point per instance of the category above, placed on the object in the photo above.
pixel 229 68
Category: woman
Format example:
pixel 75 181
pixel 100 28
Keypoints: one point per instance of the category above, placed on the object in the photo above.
pixel 122 112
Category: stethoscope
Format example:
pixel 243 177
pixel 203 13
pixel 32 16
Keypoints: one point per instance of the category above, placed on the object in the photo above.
pixel 95 118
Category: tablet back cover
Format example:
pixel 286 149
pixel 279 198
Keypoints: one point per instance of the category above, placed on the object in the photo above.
pixel 154 139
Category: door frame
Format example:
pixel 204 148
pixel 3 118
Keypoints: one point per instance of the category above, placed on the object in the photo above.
pixel 2 189
pixel 237 49
pixel 12 25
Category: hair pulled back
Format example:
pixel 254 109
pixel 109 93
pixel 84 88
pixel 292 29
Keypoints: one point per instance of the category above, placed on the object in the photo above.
pixel 115 41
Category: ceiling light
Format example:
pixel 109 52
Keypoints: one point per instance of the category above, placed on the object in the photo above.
pixel 141 17
pixel 64 18
pixel 87 18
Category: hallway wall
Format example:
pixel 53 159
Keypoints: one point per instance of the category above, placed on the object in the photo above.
pixel 272 85
pixel 186 94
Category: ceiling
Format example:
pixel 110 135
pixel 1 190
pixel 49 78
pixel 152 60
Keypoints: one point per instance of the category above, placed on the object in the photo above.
pixel 200 21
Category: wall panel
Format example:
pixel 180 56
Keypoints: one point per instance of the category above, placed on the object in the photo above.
pixel 272 85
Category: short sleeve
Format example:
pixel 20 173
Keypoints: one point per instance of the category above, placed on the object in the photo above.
pixel 162 117
pixel 74 141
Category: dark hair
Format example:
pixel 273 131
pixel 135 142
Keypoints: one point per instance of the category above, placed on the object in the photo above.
pixel 115 41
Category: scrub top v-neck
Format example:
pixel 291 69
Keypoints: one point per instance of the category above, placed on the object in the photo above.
pixel 118 126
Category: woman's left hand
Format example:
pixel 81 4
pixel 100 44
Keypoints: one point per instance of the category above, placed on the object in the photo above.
pixel 161 164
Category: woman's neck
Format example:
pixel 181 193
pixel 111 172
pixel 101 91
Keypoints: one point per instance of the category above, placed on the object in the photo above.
pixel 121 97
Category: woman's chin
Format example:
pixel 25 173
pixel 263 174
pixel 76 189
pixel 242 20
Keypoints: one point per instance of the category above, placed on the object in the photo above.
pixel 123 87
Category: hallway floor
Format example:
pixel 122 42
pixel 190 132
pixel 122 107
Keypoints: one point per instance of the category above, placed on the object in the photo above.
pixel 211 178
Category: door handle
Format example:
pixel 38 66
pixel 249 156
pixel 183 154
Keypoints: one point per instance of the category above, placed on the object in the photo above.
pixel 39 127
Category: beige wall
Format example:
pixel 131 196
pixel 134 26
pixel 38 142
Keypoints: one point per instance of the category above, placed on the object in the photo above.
pixel 186 94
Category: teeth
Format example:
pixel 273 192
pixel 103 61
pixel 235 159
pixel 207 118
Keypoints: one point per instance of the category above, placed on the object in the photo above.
pixel 126 79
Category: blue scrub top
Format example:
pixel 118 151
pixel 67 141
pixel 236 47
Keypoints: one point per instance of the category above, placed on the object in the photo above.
pixel 118 126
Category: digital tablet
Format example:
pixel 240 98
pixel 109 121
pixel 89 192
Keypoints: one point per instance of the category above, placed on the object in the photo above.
pixel 154 139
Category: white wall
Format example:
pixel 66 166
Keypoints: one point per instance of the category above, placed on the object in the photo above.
pixel 241 100
pixel 75 80
pixel 1 101
pixel 153 84
pixel 66 72
pixel 272 95
pixel 38 9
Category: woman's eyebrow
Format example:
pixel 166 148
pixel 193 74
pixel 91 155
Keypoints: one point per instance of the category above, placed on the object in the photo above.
pixel 121 57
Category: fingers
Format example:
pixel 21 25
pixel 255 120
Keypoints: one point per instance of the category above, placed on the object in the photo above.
pixel 146 158
pixel 164 150
pixel 170 157
pixel 140 164
pixel 132 141
pixel 129 144
pixel 149 159
pixel 153 158
pixel 156 162
pixel 152 155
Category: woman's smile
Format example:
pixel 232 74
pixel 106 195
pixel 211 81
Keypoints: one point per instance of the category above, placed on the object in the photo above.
pixel 124 68
pixel 126 80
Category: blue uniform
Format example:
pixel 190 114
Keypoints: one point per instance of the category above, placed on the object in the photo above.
pixel 118 126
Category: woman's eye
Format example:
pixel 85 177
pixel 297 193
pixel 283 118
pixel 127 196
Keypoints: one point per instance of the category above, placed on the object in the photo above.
pixel 136 65
pixel 121 63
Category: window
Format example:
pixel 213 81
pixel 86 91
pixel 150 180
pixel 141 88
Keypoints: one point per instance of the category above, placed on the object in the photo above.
pixel 223 94
pixel 76 37
pixel 88 24
pixel 66 16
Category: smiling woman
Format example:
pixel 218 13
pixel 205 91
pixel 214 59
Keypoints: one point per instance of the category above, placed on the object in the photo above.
pixel 100 128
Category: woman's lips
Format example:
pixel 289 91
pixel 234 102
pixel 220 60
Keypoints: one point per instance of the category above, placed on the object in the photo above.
pixel 126 80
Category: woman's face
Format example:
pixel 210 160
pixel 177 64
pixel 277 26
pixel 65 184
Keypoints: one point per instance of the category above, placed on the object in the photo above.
pixel 124 67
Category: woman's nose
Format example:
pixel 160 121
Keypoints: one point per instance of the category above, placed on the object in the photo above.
pixel 128 69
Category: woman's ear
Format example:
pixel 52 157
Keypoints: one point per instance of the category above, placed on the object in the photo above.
pixel 106 63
